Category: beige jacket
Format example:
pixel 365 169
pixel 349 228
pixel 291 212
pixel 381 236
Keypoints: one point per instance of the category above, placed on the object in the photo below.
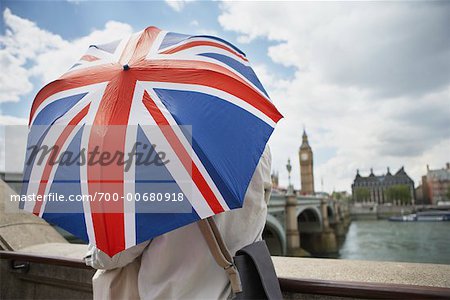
pixel 178 264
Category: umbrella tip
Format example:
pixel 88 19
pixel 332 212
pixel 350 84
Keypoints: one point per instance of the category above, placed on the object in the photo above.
pixel 126 67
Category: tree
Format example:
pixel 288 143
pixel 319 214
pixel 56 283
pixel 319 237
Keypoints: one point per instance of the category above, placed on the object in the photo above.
pixel 336 195
pixel 399 192
pixel 341 196
pixel 361 194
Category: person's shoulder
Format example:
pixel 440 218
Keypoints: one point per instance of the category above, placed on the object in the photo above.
pixel 265 161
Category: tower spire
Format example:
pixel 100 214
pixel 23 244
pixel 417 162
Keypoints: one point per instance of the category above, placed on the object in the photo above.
pixel 306 166
pixel 305 142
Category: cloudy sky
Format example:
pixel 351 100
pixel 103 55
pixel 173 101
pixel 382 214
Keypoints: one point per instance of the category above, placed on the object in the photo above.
pixel 369 81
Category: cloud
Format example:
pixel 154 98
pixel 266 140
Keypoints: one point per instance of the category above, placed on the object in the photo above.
pixel 14 78
pixel 371 82
pixel 52 64
pixel 11 120
pixel 28 52
pixel 387 48
pixel 23 42
pixel 197 29
pixel 177 5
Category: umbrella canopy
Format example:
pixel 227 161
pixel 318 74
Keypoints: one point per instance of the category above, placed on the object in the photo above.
pixel 144 135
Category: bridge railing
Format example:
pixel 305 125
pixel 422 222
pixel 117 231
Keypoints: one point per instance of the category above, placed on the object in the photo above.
pixel 26 275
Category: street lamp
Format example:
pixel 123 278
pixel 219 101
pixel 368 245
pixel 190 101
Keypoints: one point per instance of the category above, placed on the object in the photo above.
pixel 290 189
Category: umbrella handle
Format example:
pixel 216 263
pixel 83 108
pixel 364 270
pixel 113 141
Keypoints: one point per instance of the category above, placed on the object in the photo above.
pixel 220 252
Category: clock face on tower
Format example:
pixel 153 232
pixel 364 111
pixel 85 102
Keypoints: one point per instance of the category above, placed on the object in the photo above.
pixel 304 156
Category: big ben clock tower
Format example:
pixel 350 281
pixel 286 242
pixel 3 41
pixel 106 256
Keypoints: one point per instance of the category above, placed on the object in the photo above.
pixel 306 166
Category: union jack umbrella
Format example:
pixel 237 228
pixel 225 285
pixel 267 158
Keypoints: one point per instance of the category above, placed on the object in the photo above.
pixel 193 99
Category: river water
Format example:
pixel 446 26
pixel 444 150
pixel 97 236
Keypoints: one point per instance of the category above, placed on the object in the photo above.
pixel 420 242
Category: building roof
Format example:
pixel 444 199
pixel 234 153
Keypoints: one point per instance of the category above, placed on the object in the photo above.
pixel 387 178
pixel 441 174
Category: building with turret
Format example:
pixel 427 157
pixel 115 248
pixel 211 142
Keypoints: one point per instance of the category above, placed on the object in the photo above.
pixel 435 186
pixel 387 188
pixel 306 167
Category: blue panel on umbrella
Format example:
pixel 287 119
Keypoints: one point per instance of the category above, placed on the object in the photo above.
pixel 228 139
pixel 155 218
pixel 147 170
pixel 172 38
pixel 246 71
pixel 69 214
pixel 39 129
pixel 108 47
pixel 56 109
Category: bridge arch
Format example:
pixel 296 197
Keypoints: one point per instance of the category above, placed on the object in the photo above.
pixel 275 236
pixel 309 219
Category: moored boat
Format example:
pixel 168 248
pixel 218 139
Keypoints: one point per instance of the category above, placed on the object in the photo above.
pixel 424 216
pixel 406 218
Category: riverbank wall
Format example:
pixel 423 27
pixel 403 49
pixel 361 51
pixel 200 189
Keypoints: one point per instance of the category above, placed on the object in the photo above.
pixel 379 212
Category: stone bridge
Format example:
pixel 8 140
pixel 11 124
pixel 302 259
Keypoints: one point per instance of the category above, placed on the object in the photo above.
pixel 302 225
pixel 294 223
